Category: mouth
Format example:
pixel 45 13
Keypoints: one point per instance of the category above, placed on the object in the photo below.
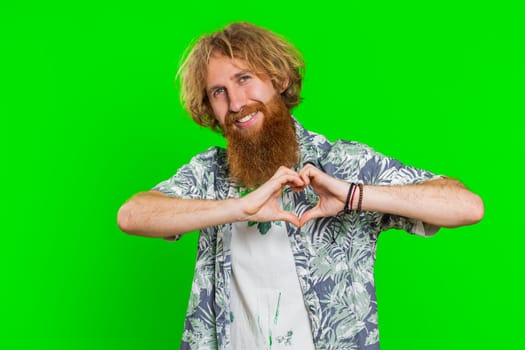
pixel 247 120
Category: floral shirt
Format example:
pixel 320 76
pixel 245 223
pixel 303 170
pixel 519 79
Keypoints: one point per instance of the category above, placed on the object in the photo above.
pixel 334 256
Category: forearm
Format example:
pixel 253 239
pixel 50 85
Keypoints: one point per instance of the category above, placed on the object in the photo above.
pixel 442 202
pixel 153 214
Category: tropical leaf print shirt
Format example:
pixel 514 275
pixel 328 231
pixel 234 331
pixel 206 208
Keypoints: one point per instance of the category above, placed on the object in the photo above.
pixel 334 256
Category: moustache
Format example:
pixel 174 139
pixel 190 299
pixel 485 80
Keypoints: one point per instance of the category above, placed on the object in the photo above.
pixel 233 117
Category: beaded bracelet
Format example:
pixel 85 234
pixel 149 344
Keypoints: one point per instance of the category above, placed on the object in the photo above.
pixel 350 198
pixel 360 197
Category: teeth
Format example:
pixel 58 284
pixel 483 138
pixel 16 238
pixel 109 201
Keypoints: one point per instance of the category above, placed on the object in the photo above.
pixel 245 119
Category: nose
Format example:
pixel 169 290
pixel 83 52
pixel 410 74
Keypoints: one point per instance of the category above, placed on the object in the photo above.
pixel 236 100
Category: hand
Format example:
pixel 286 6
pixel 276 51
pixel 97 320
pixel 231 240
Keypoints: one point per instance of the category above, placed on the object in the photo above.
pixel 261 205
pixel 331 191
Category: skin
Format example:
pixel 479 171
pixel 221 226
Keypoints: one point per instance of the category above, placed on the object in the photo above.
pixel 230 88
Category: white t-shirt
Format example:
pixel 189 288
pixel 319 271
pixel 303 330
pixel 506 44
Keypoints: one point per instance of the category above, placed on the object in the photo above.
pixel 267 304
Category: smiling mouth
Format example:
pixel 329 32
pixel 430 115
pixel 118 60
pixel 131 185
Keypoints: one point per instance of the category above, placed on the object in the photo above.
pixel 247 118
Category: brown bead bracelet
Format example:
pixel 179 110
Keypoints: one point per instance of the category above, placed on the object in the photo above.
pixel 360 197
pixel 350 198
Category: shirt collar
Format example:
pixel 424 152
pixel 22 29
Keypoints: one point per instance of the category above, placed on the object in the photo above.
pixel 309 152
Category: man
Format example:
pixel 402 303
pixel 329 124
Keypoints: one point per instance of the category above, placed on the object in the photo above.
pixel 288 220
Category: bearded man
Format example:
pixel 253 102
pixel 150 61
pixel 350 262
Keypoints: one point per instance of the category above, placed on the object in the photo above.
pixel 288 220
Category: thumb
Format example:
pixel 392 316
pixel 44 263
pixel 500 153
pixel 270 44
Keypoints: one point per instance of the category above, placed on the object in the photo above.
pixel 309 215
pixel 290 217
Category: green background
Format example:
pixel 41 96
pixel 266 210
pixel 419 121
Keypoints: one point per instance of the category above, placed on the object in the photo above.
pixel 90 116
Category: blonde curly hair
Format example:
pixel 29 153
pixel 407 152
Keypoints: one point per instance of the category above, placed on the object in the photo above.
pixel 266 53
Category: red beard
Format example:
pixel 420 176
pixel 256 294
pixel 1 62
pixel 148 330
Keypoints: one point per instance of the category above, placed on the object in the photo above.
pixel 255 155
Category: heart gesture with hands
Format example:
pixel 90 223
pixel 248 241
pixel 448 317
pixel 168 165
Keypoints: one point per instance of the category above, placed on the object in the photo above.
pixel 331 191
pixel 262 204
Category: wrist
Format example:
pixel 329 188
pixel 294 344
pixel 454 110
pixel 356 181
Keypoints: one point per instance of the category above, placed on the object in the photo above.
pixel 237 207
pixel 358 198
pixel 354 198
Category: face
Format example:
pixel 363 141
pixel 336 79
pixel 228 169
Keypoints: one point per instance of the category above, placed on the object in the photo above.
pixel 233 91
pixel 258 127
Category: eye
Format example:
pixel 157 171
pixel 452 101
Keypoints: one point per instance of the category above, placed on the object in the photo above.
pixel 217 92
pixel 244 78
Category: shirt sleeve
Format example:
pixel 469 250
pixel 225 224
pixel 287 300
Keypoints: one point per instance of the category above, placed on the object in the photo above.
pixel 194 180
pixel 385 171
pixel 191 181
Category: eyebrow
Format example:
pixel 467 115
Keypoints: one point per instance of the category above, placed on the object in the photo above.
pixel 233 77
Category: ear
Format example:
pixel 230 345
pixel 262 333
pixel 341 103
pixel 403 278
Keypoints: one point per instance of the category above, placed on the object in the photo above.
pixel 284 85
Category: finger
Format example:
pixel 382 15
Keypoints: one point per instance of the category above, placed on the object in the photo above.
pixel 290 217
pixel 298 188
pixel 305 177
pixel 309 215
pixel 282 170
pixel 292 180
pixel 278 182
pixel 309 165
pixel 296 184
pixel 308 172
pixel 271 189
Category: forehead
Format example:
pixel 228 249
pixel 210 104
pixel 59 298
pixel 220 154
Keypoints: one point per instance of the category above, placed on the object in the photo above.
pixel 221 68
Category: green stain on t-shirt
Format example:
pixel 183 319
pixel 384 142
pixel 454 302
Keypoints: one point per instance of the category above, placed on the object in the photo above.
pixel 264 227
pixel 277 309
